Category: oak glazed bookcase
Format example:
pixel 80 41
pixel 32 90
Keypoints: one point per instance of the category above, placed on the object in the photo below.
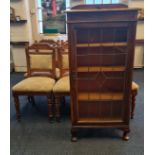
pixel 101 52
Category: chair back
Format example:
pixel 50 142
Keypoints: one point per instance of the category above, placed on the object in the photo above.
pixel 50 41
pixel 64 44
pixel 40 60
pixel 63 57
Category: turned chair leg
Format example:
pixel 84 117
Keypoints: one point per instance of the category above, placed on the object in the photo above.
pixel 50 113
pixel 74 134
pixel 31 100
pixel 17 106
pixel 64 101
pixel 125 134
pixel 133 103
pixel 57 108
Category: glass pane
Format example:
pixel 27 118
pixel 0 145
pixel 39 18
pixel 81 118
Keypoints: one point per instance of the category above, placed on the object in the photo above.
pixel 106 1
pixel 98 1
pixel 115 1
pixel 67 3
pixel 52 13
pixel 89 1
pixel 39 3
pixel 40 17
pixel 40 27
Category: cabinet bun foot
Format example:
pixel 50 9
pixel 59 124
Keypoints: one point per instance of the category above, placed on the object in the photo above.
pixel 74 134
pixel 58 119
pixel 74 139
pixel 125 134
pixel 126 138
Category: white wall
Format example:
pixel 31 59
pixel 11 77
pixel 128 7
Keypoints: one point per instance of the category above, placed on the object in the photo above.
pixel 20 32
pixel 139 49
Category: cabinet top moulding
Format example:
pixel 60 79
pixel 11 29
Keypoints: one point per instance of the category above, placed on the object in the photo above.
pixel 106 12
pixel 100 8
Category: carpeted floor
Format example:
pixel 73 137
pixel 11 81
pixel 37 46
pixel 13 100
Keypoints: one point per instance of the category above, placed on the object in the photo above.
pixel 35 136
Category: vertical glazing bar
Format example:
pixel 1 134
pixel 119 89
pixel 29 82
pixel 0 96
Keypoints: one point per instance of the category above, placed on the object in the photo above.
pixel 88 61
pixel 114 42
pixel 75 76
pixel 100 91
pixel 100 49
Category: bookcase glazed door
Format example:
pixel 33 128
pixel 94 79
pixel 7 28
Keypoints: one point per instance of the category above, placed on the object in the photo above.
pixel 99 73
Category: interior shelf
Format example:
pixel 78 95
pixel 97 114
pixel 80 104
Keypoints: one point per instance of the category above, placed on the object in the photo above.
pixel 100 120
pixel 100 68
pixel 101 44
pixel 99 96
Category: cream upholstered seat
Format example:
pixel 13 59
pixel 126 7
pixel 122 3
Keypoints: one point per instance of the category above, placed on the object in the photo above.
pixel 135 86
pixel 134 92
pixel 35 84
pixel 62 85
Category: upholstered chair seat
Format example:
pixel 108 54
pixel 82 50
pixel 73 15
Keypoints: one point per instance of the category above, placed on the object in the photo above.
pixel 62 85
pixel 135 86
pixel 35 84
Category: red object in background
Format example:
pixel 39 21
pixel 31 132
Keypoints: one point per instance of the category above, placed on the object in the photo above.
pixel 54 8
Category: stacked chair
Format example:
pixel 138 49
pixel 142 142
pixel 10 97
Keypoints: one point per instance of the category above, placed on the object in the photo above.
pixel 40 78
pixel 62 86
pixel 48 75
